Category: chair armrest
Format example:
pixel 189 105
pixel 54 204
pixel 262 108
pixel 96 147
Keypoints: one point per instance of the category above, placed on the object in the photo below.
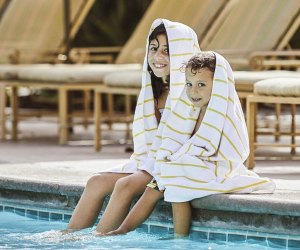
pixel 285 59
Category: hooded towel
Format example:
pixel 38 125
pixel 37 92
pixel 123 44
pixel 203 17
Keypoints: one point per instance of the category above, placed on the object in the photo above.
pixel 183 44
pixel 211 160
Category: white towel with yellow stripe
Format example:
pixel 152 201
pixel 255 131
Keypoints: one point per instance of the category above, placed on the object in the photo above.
pixel 183 43
pixel 211 160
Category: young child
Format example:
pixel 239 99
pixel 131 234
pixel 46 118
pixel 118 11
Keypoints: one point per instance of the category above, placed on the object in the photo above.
pixel 204 146
pixel 168 45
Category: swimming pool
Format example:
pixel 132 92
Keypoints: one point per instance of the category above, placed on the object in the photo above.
pixel 41 229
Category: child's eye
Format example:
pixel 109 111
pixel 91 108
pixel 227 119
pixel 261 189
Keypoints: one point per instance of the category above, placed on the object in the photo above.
pixel 188 84
pixel 201 84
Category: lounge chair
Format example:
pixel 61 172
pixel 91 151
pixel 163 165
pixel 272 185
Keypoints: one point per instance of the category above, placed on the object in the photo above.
pixel 31 31
pixel 258 25
pixel 278 91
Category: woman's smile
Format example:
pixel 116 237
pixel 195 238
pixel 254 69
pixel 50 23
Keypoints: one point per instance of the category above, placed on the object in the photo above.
pixel 159 66
pixel 158 56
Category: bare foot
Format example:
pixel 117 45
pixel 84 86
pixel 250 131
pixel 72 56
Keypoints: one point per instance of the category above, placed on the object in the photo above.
pixel 115 232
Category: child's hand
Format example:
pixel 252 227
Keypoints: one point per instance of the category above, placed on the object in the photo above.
pixel 168 158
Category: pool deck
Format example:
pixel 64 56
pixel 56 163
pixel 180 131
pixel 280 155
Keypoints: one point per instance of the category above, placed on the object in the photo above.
pixel 40 165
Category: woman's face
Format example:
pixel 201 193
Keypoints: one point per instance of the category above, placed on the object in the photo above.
pixel 158 56
pixel 199 86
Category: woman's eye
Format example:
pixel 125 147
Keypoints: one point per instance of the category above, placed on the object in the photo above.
pixel 166 51
pixel 153 49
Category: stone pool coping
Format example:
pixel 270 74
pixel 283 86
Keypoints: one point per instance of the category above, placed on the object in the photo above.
pixel 281 202
pixel 68 178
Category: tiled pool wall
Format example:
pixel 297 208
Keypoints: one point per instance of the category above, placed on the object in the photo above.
pixel 282 241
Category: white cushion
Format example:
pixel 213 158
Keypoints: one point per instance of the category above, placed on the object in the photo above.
pixel 287 87
pixel 74 73
pixel 254 76
pixel 67 73
pixel 10 71
pixel 128 78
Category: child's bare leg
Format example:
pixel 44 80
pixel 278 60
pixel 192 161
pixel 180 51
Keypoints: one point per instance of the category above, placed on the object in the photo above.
pixel 140 212
pixel 125 190
pixel 182 217
pixel 90 203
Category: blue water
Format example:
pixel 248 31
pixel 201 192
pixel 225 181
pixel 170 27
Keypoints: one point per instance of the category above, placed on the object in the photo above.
pixel 19 232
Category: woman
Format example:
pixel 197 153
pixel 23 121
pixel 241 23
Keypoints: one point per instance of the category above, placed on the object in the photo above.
pixel 169 44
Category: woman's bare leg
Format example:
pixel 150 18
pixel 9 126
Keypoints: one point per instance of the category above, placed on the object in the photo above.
pixel 125 190
pixel 90 203
pixel 140 212
pixel 182 217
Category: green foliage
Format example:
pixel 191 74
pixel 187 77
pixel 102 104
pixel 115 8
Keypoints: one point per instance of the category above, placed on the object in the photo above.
pixel 110 23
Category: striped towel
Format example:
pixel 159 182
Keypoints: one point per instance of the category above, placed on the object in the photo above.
pixel 183 43
pixel 211 160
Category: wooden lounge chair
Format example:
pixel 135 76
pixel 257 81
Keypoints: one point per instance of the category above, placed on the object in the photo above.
pixel 31 30
pixel 278 91
pixel 278 60
pixel 258 25
pixel 43 35
pixel 61 77
pixel 199 15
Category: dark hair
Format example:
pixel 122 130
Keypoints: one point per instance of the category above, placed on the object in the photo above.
pixel 158 86
pixel 205 59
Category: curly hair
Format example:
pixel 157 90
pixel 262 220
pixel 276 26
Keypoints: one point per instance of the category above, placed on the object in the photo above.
pixel 204 59
pixel 158 86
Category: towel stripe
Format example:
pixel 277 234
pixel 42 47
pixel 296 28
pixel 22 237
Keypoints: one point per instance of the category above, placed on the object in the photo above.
pixel 220 80
pixel 143 117
pixel 176 131
pixel 216 111
pixel 220 96
pixel 164 149
pixel 186 103
pixel 236 130
pixel 212 126
pixel 139 154
pixel 187 165
pixel 207 140
pixel 145 101
pixel 233 146
pixel 172 139
pixel 182 176
pixel 183 118
pixel 221 66
pixel 180 39
pixel 220 190
pixel 182 54
pixel 178 84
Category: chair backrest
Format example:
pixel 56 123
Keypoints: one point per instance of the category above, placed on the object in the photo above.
pixel 30 28
pixel 255 25
pixel 197 14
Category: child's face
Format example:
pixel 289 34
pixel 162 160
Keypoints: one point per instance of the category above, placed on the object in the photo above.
pixel 158 56
pixel 199 86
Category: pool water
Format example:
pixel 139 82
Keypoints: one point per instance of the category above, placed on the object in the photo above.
pixel 20 232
